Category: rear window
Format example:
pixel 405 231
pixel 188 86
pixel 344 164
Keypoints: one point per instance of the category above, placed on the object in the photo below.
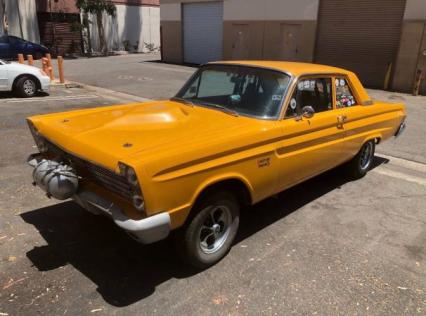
pixel 344 96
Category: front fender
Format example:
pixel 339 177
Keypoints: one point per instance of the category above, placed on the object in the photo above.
pixel 222 178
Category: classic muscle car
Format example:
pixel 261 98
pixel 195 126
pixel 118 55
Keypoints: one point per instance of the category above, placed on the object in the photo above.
pixel 236 133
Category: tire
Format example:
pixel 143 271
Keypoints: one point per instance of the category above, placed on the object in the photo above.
pixel 361 163
pixel 210 231
pixel 26 87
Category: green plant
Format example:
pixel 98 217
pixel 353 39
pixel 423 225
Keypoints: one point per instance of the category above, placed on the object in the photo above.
pixel 76 27
pixel 98 8
pixel 150 47
pixel 126 44
pixel 136 46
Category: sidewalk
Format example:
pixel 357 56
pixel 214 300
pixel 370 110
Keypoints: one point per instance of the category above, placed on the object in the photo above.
pixel 411 145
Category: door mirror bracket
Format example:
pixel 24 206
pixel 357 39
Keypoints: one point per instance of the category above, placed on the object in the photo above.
pixel 307 112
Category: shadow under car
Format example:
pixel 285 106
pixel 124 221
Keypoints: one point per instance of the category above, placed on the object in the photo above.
pixel 117 264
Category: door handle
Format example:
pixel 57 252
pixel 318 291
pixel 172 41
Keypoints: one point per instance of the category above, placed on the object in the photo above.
pixel 342 119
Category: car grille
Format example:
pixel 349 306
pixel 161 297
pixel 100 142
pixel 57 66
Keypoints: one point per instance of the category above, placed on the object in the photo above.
pixel 102 176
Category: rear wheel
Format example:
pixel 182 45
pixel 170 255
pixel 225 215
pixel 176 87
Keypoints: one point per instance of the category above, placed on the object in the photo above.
pixel 209 233
pixel 361 163
pixel 26 87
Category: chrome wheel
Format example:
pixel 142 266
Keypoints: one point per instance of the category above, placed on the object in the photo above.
pixel 29 87
pixel 366 156
pixel 215 229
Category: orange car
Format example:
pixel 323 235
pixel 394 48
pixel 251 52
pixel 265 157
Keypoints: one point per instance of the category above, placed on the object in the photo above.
pixel 236 133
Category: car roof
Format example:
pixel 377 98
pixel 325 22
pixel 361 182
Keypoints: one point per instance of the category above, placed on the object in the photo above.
pixel 294 68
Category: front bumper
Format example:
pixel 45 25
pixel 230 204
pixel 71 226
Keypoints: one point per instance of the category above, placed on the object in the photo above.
pixel 146 231
pixel 45 84
pixel 400 129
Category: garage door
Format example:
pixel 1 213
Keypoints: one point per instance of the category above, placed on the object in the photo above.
pixel 202 32
pixel 361 35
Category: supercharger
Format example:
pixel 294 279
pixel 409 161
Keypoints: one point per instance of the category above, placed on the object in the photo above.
pixel 59 180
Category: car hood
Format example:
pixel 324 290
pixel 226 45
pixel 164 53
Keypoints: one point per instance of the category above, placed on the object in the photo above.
pixel 22 67
pixel 109 134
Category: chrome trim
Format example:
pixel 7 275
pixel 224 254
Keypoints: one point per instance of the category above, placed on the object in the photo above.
pixel 146 230
pixel 400 129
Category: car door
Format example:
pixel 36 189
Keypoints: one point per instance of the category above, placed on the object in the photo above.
pixel 4 81
pixel 354 117
pixel 309 146
pixel 4 47
pixel 17 46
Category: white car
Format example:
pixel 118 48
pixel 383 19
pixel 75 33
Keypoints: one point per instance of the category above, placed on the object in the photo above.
pixel 23 80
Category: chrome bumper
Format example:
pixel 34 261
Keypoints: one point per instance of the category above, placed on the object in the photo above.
pixel 400 129
pixel 146 231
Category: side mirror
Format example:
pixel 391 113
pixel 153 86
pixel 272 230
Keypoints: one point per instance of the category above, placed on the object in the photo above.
pixel 235 99
pixel 308 111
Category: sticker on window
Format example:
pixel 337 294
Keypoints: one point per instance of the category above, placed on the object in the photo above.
pixel 293 104
pixel 306 84
pixel 276 97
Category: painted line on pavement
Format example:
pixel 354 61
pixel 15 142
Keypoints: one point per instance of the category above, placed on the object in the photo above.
pixel 163 67
pixel 64 98
pixel 400 175
pixel 409 164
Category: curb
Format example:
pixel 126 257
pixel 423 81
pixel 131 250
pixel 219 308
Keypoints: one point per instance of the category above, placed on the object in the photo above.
pixel 106 92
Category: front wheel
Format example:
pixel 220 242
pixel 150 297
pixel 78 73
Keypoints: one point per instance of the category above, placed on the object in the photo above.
pixel 361 163
pixel 26 87
pixel 209 234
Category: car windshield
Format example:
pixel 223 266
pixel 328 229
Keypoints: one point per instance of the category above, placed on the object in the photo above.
pixel 238 90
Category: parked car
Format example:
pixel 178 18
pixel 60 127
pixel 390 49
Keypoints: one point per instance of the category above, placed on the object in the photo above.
pixel 11 46
pixel 235 134
pixel 23 80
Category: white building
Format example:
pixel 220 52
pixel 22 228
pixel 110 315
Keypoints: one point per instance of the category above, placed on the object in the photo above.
pixel 136 27
pixel 19 17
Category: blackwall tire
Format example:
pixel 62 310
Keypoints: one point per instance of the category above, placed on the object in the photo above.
pixel 210 232
pixel 362 162
pixel 26 87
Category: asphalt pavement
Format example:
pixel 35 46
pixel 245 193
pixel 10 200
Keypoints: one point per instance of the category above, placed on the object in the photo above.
pixel 329 246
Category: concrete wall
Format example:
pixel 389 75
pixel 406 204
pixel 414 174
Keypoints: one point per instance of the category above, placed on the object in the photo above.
pixel 171 32
pixel 260 21
pixel 264 21
pixel 132 23
pixel 412 45
pixel 22 19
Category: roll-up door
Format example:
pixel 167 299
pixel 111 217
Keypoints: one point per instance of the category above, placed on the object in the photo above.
pixel 360 35
pixel 202 32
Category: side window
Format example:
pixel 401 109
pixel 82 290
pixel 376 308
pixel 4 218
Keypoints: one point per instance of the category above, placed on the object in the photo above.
pixel 344 95
pixel 314 92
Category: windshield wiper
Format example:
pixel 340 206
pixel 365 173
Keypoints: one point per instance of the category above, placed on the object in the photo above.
pixel 224 109
pixel 182 100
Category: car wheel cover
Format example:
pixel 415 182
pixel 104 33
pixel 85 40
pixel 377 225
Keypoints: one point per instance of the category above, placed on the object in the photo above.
pixel 29 87
pixel 366 156
pixel 215 229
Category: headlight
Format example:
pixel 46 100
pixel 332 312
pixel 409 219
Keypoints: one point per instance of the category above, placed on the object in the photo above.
pixel 130 174
pixel 39 140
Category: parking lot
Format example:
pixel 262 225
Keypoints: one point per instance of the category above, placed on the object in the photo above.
pixel 329 246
